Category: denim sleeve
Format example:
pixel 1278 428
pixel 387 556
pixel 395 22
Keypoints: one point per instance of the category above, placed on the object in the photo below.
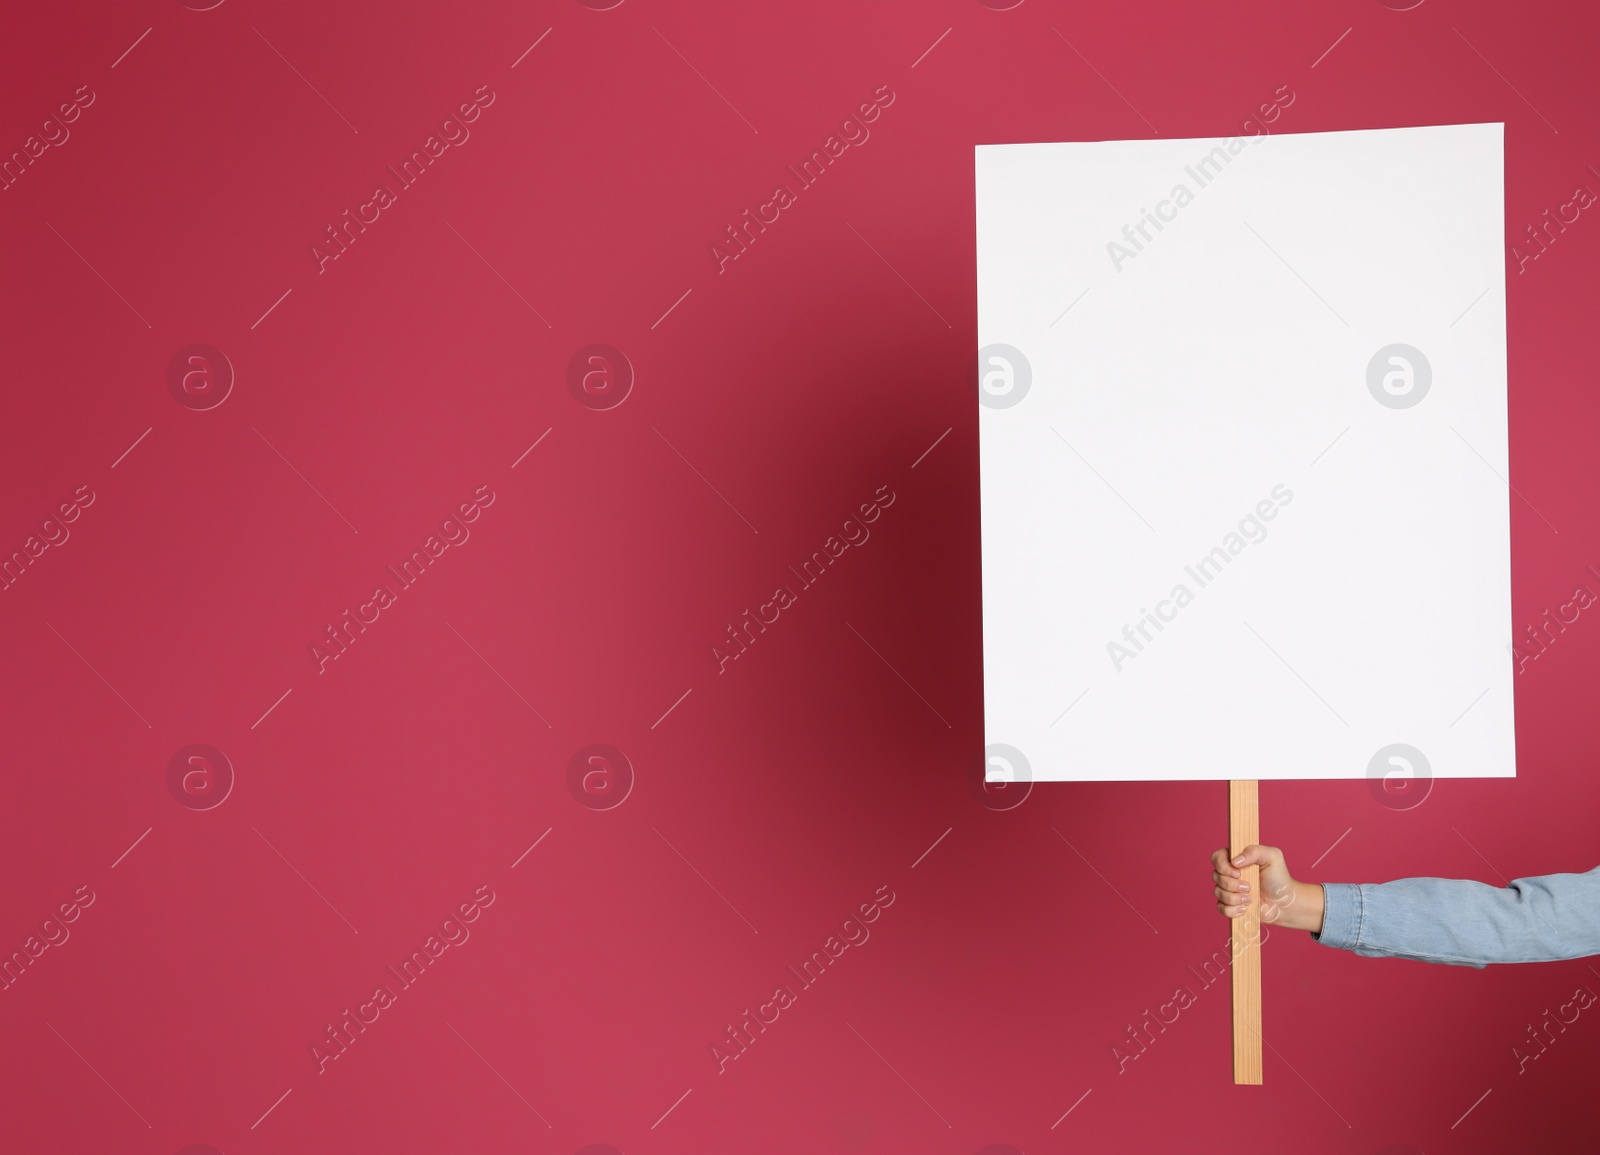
pixel 1464 923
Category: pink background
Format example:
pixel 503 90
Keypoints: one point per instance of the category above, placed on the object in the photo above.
pixel 770 403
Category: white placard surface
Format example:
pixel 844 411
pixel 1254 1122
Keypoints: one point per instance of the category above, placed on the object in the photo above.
pixel 1242 428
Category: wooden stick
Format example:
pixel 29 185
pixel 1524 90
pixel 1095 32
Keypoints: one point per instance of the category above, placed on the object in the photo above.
pixel 1244 829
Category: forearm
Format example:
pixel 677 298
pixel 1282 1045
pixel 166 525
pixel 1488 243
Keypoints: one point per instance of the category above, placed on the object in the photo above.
pixel 1301 909
pixel 1465 923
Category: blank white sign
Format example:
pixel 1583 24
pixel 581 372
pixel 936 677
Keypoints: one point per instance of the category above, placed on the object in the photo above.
pixel 1242 425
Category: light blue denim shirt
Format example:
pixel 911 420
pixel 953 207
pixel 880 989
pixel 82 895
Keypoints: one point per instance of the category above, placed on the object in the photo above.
pixel 1453 920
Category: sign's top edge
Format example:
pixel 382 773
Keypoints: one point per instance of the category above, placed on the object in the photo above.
pixel 1500 124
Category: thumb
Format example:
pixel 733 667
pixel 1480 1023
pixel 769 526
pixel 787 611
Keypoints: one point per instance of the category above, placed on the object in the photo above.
pixel 1254 855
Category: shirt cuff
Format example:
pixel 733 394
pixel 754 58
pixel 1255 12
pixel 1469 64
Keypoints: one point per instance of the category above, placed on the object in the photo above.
pixel 1342 910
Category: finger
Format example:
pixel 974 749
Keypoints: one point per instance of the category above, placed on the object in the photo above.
pixel 1254 855
pixel 1219 863
pixel 1233 885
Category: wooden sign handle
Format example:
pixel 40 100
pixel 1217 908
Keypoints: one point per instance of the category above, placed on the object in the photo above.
pixel 1244 829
